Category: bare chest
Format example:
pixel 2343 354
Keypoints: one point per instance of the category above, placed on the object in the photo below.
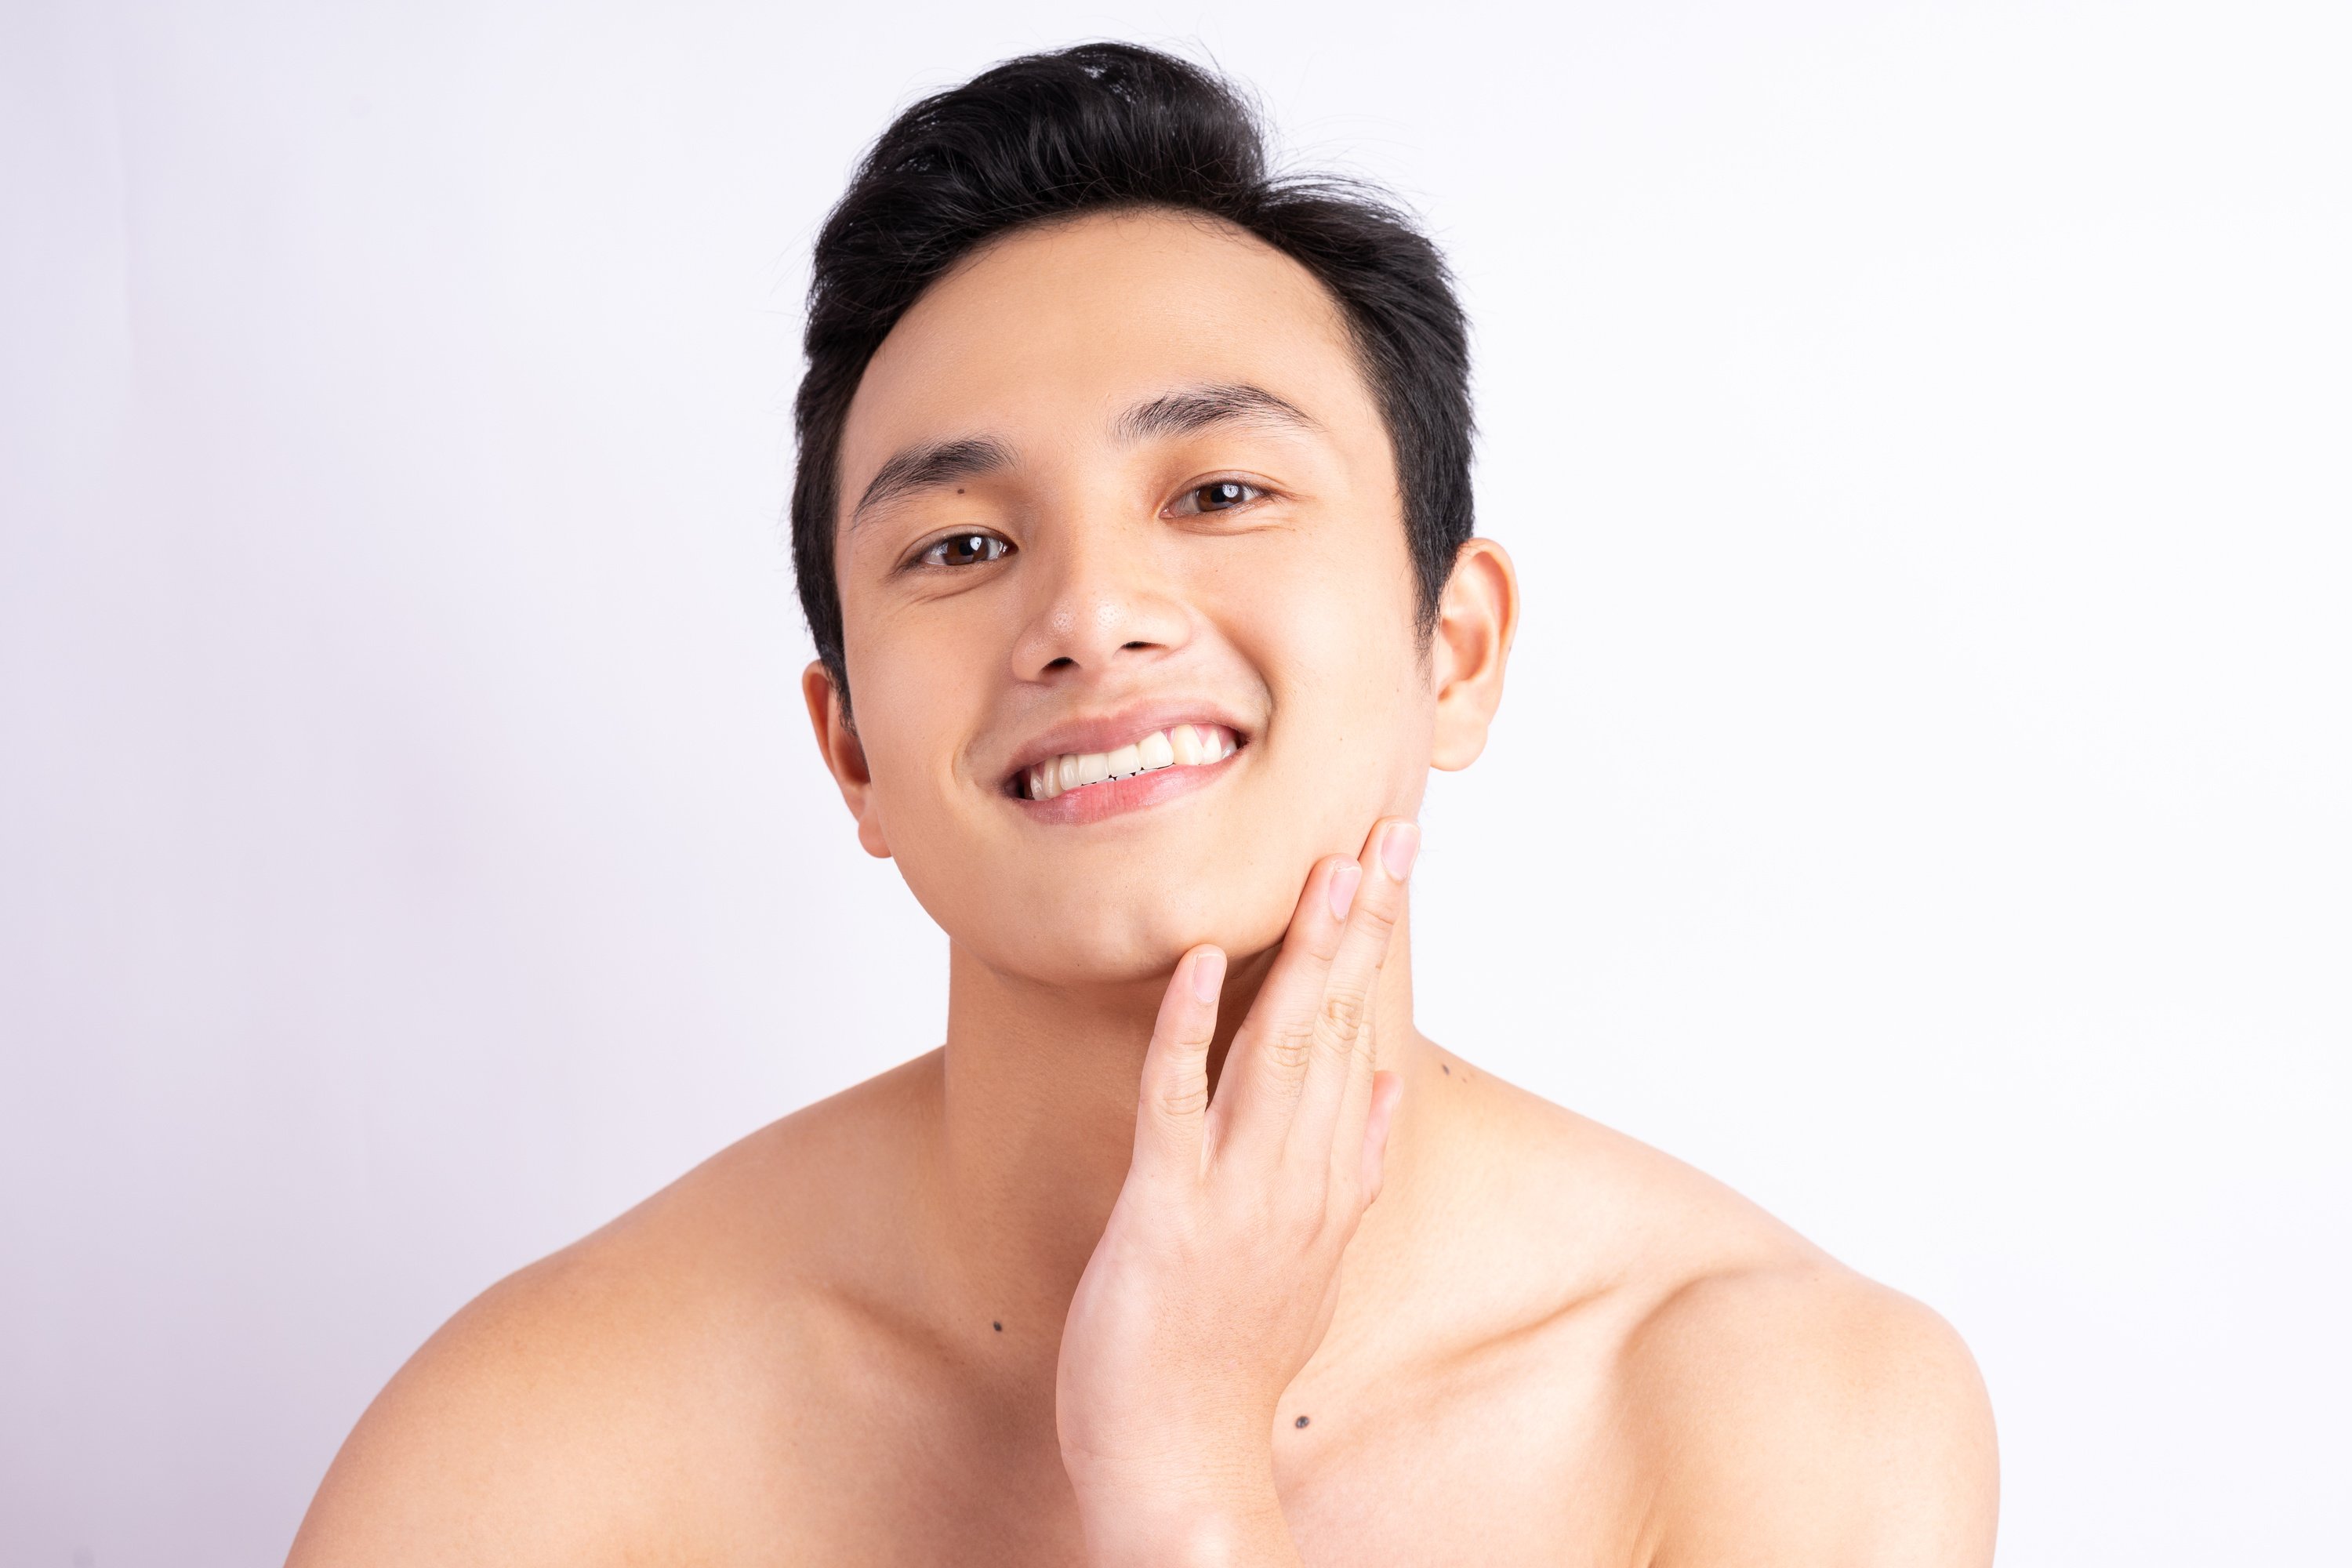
pixel 1516 1459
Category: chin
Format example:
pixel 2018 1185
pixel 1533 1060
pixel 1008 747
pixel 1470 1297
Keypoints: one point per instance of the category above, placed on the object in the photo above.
pixel 1104 942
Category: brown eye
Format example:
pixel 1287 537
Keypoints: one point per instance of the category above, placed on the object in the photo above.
pixel 1218 495
pixel 965 550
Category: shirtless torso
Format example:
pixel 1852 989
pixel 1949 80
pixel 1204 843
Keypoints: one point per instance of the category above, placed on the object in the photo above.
pixel 1137 521
pixel 1565 1349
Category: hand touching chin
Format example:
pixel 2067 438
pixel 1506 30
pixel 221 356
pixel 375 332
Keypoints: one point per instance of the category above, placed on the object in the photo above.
pixel 1216 1276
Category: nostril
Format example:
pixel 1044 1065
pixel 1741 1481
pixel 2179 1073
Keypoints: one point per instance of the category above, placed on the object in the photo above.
pixel 1063 663
pixel 1124 646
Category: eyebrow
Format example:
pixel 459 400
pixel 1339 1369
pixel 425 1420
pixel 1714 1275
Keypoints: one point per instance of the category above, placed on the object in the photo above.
pixel 1198 407
pixel 933 463
pixel 1181 413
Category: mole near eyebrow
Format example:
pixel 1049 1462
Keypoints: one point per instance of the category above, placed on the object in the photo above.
pixel 1198 407
pixel 933 463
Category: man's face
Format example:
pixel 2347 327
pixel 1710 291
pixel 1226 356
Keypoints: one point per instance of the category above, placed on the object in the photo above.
pixel 1107 481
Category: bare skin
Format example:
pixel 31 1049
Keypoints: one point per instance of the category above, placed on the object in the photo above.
pixel 1167 1257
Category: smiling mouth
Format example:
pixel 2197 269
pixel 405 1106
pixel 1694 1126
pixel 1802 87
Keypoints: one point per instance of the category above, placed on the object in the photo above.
pixel 1177 746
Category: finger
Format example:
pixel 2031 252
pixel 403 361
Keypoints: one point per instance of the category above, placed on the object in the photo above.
pixel 1355 1103
pixel 1269 1056
pixel 1174 1099
pixel 1337 1095
pixel 1386 1090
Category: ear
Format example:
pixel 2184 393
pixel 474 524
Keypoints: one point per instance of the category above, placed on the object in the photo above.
pixel 845 755
pixel 1477 615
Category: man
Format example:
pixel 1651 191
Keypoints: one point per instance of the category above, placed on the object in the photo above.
pixel 1133 525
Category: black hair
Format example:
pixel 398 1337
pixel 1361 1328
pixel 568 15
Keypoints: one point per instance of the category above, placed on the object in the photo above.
pixel 1100 127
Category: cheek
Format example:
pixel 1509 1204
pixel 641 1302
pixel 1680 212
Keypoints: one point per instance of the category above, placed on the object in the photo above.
pixel 909 730
pixel 909 721
pixel 1353 714
pixel 1336 637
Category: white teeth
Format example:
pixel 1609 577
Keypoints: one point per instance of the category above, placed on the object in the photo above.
pixel 1181 745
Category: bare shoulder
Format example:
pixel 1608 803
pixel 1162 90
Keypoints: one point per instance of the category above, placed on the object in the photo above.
pixel 1795 1412
pixel 617 1395
pixel 1774 1405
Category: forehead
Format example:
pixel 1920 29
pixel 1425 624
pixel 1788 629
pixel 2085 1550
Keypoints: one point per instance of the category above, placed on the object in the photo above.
pixel 1040 338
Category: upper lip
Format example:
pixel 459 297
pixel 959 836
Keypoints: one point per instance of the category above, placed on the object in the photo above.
pixel 1109 732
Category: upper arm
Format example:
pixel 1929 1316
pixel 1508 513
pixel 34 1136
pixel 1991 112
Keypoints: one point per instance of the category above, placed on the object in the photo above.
pixel 1806 1416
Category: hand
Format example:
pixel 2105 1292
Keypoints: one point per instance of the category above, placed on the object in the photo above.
pixel 1216 1275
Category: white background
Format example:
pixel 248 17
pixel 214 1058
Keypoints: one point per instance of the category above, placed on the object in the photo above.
pixel 1924 432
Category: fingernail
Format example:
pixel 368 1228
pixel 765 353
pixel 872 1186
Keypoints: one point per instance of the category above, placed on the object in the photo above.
pixel 1343 887
pixel 1208 975
pixel 1400 848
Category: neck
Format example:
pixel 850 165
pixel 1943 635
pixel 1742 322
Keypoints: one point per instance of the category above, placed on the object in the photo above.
pixel 1039 1089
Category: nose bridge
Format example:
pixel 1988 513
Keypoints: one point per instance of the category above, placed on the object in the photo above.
pixel 1105 592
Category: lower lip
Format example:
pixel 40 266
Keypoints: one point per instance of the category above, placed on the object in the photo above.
pixel 1117 797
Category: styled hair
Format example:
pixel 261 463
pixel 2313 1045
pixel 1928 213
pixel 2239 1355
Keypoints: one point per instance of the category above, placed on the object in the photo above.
pixel 1100 127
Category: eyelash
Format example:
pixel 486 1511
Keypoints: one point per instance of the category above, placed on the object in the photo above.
pixel 1255 493
pixel 1002 547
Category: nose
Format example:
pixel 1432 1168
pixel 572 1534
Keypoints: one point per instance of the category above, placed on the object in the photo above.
pixel 1102 601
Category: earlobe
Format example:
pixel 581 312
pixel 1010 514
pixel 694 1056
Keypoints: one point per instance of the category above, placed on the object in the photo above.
pixel 845 755
pixel 1477 616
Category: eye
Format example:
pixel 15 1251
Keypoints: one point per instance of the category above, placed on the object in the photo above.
pixel 1217 495
pixel 965 550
